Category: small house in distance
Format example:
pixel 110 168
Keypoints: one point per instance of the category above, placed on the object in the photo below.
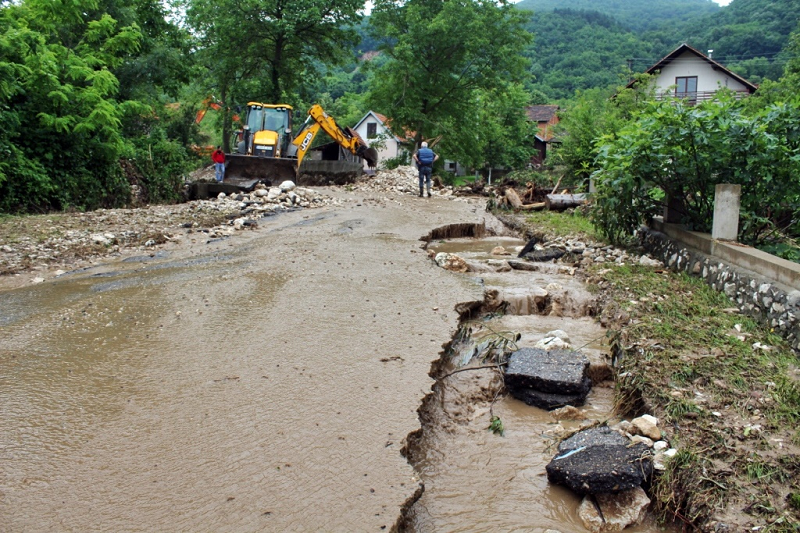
pixel 545 117
pixel 375 126
pixel 690 74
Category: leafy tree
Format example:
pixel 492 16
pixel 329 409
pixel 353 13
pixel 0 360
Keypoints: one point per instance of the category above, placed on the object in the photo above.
pixel 442 54
pixel 61 122
pixel 266 49
pixel 592 115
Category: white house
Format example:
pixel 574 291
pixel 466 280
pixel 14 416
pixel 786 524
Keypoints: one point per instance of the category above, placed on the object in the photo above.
pixel 375 127
pixel 690 74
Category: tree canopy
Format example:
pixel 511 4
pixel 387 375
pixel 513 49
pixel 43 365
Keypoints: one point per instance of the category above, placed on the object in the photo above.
pixel 443 58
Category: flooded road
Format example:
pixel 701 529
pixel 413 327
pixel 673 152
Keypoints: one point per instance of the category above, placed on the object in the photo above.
pixel 260 383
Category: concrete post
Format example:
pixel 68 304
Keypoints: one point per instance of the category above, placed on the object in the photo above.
pixel 726 211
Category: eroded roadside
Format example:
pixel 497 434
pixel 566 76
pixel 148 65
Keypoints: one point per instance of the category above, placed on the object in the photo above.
pixel 476 478
pixel 725 388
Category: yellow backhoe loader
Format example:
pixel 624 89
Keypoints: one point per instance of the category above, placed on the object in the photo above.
pixel 265 150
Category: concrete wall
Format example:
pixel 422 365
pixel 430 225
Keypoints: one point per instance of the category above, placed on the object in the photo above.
pixel 761 285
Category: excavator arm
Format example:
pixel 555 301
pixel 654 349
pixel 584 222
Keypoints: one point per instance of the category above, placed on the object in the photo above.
pixel 347 138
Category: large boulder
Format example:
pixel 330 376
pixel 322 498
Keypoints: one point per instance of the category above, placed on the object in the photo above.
pixel 548 379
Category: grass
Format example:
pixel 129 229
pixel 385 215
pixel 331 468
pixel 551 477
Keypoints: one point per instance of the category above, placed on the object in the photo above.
pixel 567 224
pixel 692 364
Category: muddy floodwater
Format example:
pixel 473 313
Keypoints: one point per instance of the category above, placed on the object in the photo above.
pixel 259 383
pixel 474 479
pixel 277 380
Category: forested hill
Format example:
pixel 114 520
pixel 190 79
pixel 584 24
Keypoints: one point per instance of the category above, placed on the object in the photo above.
pixel 578 48
pixel 638 15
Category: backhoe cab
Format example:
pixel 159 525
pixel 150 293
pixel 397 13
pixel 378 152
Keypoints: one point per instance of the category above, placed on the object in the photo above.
pixel 266 152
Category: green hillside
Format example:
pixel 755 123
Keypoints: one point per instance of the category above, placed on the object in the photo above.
pixel 639 15
pixel 594 54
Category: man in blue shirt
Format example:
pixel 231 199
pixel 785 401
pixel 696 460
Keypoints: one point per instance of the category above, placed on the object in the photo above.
pixel 425 159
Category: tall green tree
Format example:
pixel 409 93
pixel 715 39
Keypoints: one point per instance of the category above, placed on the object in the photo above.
pixel 61 122
pixel 444 56
pixel 269 47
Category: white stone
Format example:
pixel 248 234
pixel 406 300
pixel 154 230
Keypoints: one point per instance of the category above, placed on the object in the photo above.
pixel 648 426
pixel 660 445
pixel 99 239
pixel 37 280
pixel 636 439
pixel 646 261
pixel 552 343
pixel 619 511
pixel 260 193
pixel 793 298
pixel 222 195
pixel 287 186
pixel 450 262
pixel 670 453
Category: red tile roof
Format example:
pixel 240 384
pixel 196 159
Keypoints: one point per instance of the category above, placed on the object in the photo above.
pixel 541 113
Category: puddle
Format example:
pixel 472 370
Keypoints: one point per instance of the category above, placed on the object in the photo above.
pixel 474 479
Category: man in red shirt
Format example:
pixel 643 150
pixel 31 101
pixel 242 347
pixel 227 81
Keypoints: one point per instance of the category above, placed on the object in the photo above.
pixel 218 157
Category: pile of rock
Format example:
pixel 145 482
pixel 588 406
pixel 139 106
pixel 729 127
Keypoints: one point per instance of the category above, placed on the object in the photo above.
pixel 68 237
pixel 403 180
pixel 609 465
pixel 569 253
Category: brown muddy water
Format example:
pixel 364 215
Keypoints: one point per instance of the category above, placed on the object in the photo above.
pixel 260 383
pixel 474 479
pixel 269 382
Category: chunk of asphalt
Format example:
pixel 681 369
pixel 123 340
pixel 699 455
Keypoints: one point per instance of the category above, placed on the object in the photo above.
pixel 548 254
pixel 601 469
pixel 549 400
pixel 555 371
pixel 595 436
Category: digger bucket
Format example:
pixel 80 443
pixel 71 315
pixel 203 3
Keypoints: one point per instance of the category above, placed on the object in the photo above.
pixel 370 155
pixel 268 170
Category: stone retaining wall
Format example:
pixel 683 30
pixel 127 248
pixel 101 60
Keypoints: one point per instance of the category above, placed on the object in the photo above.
pixel 767 301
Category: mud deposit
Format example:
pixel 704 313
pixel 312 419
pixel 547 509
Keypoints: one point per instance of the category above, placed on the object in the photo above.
pixel 259 383
pixel 474 479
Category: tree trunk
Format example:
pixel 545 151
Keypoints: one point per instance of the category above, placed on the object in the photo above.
pixel 513 198
pixel 532 207
pixel 557 202
pixel 226 119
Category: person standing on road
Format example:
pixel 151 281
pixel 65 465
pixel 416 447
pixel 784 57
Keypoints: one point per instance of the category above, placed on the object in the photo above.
pixel 425 159
pixel 218 157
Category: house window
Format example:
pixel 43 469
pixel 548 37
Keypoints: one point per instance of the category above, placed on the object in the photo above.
pixel 372 130
pixel 687 88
